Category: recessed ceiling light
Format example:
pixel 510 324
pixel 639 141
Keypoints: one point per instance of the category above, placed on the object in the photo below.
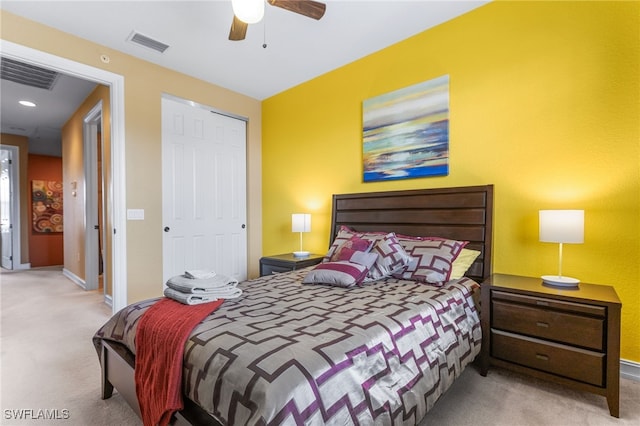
pixel 27 104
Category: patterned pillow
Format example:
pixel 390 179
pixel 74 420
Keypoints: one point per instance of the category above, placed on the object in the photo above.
pixel 350 246
pixel 342 274
pixel 432 258
pixel 362 258
pixel 391 258
pixel 345 234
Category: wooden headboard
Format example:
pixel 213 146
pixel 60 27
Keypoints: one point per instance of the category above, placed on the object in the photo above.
pixel 462 213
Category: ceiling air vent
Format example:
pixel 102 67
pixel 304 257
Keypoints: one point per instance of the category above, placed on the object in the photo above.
pixel 29 75
pixel 147 42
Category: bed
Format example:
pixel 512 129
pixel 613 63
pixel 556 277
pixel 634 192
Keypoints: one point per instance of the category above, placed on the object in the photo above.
pixel 290 353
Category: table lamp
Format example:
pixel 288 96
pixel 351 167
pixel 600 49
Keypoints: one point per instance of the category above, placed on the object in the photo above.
pixel 300 222
pixel 561 226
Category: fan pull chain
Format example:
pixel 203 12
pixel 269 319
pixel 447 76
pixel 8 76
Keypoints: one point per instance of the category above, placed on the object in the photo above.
pixel 264 34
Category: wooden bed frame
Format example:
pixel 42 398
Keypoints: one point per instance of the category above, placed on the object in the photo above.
pixel 462 213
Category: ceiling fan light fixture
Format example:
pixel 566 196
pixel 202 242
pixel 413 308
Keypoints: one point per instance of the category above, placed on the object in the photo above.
pixel 248 11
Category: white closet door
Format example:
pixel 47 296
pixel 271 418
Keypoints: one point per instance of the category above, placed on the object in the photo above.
pixel 204 191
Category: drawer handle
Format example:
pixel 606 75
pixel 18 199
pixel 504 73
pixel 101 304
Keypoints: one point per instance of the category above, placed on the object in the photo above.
pixel 542 357
pixel 542 324
pixel 542 303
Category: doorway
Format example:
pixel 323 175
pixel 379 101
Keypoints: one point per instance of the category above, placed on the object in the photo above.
pixel 117 185
pixel 94 200
pixel 9 211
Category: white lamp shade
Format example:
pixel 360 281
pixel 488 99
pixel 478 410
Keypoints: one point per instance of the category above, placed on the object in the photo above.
pixel 562 226
pixel 248 11
pixel 300 222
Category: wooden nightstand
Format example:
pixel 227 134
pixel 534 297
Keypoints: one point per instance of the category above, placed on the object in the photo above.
pixel 287 262
pixel 567 336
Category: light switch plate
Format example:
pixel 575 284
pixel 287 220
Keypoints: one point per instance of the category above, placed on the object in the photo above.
pixel 135 214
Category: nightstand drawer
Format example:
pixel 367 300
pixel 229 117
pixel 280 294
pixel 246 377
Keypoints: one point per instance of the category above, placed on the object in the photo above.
pixel 578 364
pixel 561 327
pixel 543 302
pixel 569 336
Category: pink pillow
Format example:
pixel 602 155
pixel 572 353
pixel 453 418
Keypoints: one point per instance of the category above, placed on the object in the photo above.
pixel 345 234
pixel 350 246
pixel 432 258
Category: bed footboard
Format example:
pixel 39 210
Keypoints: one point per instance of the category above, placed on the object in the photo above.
pixel 118 371
pixel 118 366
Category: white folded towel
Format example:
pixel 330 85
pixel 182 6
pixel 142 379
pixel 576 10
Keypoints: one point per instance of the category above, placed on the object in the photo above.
pixel 189 285
pixel 196 298
pixel 199 274
pixel 188 298
pixel 224 293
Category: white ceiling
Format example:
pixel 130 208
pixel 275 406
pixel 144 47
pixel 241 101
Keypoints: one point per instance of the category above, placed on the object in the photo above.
pixel 297 48
pixel 43 124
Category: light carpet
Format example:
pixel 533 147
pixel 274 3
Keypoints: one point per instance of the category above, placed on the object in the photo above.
pixel 48 363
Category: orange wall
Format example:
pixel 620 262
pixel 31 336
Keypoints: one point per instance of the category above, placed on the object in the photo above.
pixel 44 249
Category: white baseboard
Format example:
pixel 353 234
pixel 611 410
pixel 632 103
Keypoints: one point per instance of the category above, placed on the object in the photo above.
pixel 630 370
pixel 73 277
pixel 23 266
pixel 108 300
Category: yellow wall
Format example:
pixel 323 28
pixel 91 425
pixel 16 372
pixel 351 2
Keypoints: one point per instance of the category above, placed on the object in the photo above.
pixel 144 84
pixel 544 104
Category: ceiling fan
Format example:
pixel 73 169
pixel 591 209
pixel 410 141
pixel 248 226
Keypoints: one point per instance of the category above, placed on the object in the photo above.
pixel 310 8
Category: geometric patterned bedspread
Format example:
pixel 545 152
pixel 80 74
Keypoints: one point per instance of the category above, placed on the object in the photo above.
pixel 291 353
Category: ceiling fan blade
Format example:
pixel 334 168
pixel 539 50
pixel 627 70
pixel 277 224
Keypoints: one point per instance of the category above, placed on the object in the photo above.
pixel 238 29
pixel 310 8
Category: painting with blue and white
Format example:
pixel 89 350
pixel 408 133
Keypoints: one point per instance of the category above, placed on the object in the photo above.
pixel 406 132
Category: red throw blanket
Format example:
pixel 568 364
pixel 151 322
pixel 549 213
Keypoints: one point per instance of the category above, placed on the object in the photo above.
pixel 162 333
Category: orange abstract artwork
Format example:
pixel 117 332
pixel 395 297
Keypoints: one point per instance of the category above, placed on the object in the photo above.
pixel 46 197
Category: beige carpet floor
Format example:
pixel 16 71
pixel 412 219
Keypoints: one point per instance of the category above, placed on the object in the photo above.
pixel 48 363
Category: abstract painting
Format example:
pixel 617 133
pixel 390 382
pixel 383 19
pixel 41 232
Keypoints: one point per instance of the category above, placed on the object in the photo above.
pixel 46 197
pixel 406 132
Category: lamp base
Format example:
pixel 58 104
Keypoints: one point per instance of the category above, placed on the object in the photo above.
pixel 560 281
pixel 301 254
